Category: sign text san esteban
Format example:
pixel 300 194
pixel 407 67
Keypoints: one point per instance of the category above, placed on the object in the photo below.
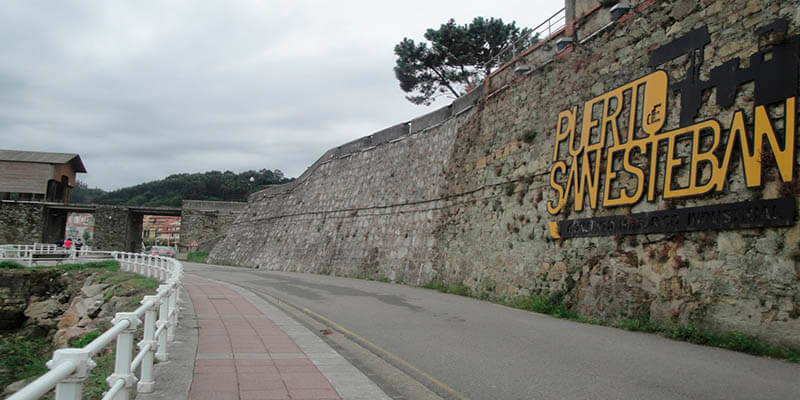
pixel 614 150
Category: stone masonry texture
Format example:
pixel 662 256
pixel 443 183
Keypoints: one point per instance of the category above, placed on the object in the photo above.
pixel 206 222
pixel 464 200
pixel 21 222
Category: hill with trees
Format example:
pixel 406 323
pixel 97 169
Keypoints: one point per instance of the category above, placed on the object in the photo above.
pixel 172 190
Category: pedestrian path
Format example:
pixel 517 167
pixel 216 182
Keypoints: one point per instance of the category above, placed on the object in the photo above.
pixel 249 350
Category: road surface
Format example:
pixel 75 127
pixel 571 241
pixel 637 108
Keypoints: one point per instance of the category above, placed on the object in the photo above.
pixel 487 351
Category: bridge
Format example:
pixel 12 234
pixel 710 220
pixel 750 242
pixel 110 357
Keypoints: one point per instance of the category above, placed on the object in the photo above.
pixel 117 228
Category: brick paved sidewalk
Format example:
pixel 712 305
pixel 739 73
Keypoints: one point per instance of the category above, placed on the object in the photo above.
pixel 250 352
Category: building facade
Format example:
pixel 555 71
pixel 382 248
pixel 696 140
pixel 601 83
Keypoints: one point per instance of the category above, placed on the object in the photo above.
pixel 38 176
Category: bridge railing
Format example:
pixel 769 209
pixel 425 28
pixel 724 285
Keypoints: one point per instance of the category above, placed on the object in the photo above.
pixel 69 368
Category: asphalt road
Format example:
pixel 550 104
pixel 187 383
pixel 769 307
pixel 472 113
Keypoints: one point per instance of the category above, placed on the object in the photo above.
pixel 489 352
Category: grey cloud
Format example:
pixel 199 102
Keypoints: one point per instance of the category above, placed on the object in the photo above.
pixel 146 89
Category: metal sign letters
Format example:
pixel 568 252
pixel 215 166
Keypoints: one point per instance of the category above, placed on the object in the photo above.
pixel 614 151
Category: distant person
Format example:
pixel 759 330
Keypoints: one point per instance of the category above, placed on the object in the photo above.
pixel 68 243
pixel 78 246
pixel 60 243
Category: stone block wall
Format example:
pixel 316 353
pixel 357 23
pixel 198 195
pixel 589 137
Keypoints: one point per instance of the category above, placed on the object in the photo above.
pixel 113 230
pixel 206 222
pixel 466 201
pixel 372 212
pixel 21 222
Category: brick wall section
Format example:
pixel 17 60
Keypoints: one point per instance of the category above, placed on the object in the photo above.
pixel 465 201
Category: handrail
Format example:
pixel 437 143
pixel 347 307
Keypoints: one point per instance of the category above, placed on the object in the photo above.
pixel 69 367
pixel 543 31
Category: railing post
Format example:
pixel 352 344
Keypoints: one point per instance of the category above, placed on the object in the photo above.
pixel 71 387
pixel 146 383
pixel 173 312
pixel 163 315
pixel 124 354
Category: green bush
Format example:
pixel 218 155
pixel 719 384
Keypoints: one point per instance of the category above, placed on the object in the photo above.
pixel 197 257
pixel 10 265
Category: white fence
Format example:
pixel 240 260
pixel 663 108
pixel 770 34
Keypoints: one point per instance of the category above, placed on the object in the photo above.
pixel 69 368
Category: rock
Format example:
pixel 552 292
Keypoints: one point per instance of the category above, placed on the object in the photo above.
pixel 14 387
pixel 93 290
pixel 683 8
pixel 44 313
pixel 62 338
pixel 769 243
pixel 730 243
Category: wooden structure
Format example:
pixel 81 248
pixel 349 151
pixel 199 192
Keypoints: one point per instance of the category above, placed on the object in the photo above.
pixel 38 176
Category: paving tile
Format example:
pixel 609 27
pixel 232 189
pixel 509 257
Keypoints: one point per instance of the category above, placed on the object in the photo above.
pixel 253 362
pixel 313 394
pixel 292 362
pixel 215 382
pixel 250 382
pixel 267 371
pixel 265 395
pixel 214 348
pixel 231 370
pixel 214 363
pixel 247 354
pixel 207 395
pixel 305 380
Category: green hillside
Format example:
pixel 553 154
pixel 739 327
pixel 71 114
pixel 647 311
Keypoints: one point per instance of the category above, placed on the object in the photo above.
pixel 172 190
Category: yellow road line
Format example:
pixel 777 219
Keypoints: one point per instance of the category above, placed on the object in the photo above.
pixel 387 354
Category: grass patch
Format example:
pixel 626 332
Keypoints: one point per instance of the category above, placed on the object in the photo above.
pixel 85 339
pixel 96 384
pixel 457 289
pixel 730 340
pixel 197 257
pixel 554 305
pixel 22 358
pixel 110 265
pixel 10 265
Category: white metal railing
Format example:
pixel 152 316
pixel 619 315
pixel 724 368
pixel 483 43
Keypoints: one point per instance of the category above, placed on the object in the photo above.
pixel 541 32
pixel 69 368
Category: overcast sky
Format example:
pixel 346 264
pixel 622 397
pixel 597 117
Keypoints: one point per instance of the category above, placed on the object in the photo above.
pixel 145 89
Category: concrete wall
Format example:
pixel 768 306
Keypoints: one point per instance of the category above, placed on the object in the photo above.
pixel 466 201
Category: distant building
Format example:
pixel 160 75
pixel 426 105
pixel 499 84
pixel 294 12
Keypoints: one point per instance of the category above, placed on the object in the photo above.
pixel 37 176
pixel 164 230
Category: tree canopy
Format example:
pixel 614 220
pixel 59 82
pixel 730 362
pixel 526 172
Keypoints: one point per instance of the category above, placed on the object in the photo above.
pixel 455 58
pixel 172 190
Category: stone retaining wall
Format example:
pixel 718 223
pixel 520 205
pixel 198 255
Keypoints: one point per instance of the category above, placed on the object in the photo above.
pixel 21 222
pixel 466 201
pixel 206 222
